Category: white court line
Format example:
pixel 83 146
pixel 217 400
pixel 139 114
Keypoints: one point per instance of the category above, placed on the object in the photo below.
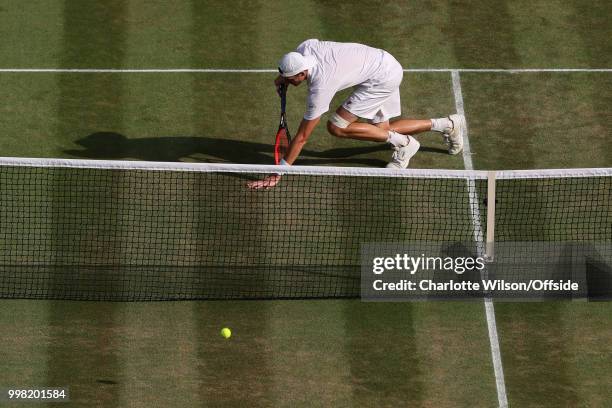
pixel 256 71
pixel 511 70
pixel 479 238
pixel 132 71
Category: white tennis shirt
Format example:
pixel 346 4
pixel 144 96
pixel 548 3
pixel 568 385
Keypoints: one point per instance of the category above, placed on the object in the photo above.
pixel 338 66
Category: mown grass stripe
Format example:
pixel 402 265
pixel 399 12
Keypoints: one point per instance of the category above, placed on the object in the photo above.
pixel 268 70
pixel 82 346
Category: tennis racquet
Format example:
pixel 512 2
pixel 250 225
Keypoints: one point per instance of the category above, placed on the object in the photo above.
pixel 283 138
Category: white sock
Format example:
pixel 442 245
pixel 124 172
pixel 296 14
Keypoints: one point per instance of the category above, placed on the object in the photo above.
pixel 441 124
pixel 397 139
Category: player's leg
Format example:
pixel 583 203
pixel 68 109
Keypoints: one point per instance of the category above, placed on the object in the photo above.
pixel 451 127
pixel 344 124
pixel 411 126
pixel 404 146
pixel 377 104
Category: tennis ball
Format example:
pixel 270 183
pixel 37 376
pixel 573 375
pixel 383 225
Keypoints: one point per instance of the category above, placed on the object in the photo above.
pixel 226 333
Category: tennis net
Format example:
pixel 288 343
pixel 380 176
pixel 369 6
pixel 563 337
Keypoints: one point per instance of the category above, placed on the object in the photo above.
pixel 136 231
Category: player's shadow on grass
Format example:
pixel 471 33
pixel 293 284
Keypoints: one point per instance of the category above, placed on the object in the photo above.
pixel 110 145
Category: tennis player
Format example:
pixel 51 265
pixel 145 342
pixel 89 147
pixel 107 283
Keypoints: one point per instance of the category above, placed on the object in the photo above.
pixel 329 67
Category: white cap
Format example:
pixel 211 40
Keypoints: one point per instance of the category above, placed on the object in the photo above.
pixel 293 63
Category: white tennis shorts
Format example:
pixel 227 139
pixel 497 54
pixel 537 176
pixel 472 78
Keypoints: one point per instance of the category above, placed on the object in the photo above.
pixel 378 99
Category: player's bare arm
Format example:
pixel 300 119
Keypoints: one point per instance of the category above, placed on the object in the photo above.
pixel 297 144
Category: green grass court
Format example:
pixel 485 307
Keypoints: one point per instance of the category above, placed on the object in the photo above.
pixel 306 352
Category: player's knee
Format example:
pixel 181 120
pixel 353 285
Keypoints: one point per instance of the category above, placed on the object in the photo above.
pixel 335 130
pixel 337 125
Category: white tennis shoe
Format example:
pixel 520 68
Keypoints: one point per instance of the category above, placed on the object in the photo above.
pixel 453 137
pixel 402 154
